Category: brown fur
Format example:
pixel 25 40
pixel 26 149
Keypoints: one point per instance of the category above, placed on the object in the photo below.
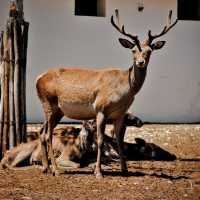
pixel 18 154
pixel 32 149
pixel 84 94
pixel 76 147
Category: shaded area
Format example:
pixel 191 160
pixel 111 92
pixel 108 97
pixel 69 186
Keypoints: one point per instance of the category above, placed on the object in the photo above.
pixel 142 150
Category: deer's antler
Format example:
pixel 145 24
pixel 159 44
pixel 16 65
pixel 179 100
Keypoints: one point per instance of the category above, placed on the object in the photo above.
pixel 165 29
pixel 121 29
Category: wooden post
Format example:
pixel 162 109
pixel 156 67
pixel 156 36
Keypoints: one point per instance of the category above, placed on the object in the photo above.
pixel 25 46
pixel 17 80
pixel 20 8
pixel 6 90
pixel 2 86
pixel 22 45
pixel 12 138
pixel 1 47
pixel 13 57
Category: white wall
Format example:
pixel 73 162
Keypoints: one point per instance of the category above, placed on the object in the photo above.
pixel 171 92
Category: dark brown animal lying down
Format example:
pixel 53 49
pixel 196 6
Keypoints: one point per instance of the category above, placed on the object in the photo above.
pixel 140 150
pixel 75 147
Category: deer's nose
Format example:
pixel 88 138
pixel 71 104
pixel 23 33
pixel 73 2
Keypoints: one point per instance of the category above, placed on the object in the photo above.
pixel 141 62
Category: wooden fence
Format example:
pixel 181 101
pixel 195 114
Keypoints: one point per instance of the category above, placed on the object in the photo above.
pixel 13 54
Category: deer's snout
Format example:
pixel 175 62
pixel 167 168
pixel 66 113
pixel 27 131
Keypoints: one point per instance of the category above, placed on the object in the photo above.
pixel 140 63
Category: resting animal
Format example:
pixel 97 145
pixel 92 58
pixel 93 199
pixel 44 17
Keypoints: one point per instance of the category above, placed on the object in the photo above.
pixel 30 152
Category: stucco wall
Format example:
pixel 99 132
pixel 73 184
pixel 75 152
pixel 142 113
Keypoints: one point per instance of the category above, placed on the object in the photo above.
pixel 171 92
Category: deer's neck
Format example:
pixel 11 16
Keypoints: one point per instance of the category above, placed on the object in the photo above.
pixel 136 78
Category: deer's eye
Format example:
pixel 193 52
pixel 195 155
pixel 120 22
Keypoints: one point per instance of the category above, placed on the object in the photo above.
pixel 134 51
pixel 149 51
pixel 144 54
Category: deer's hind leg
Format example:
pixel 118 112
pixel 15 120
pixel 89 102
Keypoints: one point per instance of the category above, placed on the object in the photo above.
pixel 119 129
pixel 52 121
pixel 43 142
pixel 53 116
pixel 101 123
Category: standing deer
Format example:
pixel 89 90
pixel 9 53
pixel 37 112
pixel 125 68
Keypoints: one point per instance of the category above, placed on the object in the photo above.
pixel 103 94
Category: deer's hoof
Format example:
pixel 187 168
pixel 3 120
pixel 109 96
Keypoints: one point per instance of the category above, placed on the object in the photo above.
pixel 44 170
pixel 99 175
pixel 56 173
pixel 3 166
pixel 125 173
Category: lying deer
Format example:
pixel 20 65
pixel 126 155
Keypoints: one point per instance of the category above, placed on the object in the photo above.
pixel 19 154
pixel 30 152
pixel 62 137
pixel 103 94
pixel 72 146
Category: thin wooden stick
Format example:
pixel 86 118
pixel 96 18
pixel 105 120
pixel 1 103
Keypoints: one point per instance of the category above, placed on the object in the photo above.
pixel 25 46
pixel 17 82
pixel 2 109
pixel 6 90
pixel 1 47
pixel 12 136
pixel 2 86
pixel 20 9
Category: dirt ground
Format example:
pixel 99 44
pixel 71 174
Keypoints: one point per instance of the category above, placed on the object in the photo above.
pixel 166 180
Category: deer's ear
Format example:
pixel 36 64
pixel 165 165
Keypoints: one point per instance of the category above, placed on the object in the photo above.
pixel 158 45
pixel 125 43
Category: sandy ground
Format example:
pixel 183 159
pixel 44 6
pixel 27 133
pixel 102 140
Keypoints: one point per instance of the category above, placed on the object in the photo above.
pixel 179 179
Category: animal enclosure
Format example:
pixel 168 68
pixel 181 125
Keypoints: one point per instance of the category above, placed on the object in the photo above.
pixel 177 180
pixel 91 41
pixel 164 161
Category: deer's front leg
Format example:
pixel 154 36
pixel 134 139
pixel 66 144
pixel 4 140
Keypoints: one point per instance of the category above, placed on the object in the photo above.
pixel 44 149
pixel 51 126
pixel 119 130
pixel 100 134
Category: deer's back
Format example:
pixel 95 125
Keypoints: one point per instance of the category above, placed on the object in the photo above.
pixel 79 81
pixel 83 91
